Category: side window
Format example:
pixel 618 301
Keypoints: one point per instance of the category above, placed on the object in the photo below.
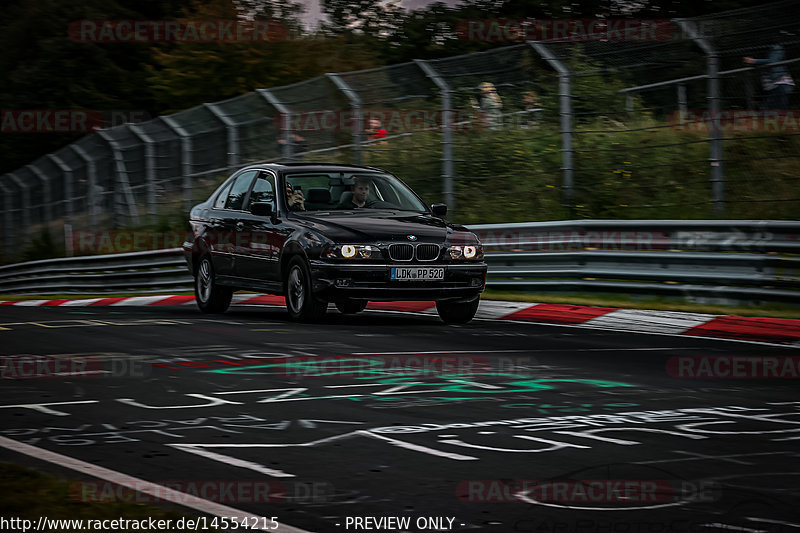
pixel 263 189
pixel 239 190
pixel 222 197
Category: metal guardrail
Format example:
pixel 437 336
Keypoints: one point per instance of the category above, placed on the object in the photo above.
pixel 149 271
pixel 729 260
pixel 741 260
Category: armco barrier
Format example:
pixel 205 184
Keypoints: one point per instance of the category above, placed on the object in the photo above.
pixel 736 260
pixel 744 260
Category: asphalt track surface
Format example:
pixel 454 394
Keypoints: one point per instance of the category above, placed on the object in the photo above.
pixel 493 426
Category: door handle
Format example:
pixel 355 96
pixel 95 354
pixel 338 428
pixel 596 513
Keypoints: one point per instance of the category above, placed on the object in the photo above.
pixel 240 225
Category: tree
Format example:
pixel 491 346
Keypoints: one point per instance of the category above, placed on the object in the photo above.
pixel 44 69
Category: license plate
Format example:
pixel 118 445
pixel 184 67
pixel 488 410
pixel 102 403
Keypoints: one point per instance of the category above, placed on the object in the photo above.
pixel 417 273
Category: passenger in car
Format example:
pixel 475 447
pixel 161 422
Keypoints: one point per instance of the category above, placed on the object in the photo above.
pixel 294 198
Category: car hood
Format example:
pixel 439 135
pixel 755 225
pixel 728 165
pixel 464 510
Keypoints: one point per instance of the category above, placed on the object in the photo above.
pixel 379 226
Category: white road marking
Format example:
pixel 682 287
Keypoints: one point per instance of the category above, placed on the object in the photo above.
pixel 729 527
pixel 140 485
pixel 42 407
pixel 30 303
pixel 139 300
pixel 771 521
pixel 241 463
pixel 649 321
pixel 493 309
pixel 81 303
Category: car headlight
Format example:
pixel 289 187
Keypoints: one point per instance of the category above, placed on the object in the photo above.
pixel 350 251
pixel 472 251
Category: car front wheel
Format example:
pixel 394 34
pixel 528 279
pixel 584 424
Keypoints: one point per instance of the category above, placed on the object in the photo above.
pixel 300 300
pixel 457 312
pixel 210 297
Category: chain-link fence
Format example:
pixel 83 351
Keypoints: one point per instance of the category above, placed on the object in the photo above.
pixel 677 125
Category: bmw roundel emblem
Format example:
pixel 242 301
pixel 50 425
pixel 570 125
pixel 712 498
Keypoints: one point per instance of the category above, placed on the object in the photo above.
pixel 412 237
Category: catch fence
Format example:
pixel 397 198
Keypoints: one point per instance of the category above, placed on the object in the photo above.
pixel 677 126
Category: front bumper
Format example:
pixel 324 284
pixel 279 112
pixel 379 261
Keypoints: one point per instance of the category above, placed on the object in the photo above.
pixel 369 281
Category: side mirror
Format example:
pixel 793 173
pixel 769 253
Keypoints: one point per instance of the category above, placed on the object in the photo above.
pixel 261 209
pixel 439 210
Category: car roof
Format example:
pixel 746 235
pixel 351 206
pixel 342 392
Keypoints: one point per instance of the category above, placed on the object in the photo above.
pixel 314 167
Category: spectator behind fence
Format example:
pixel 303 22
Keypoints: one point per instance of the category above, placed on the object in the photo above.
pixel 777 82
pixel 297 146
pixel 491 105
pixel 376 131
pixel 532 110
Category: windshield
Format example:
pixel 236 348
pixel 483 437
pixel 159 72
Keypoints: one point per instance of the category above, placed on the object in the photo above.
pixel 344 191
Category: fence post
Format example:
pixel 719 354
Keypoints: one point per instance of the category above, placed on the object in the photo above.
pixel 284 111
pixel 150 168
pixel 122 186
pixel 233 134
pixel 714 134
pixel 629 104
pixel 447 130
pixel 69 194
pixel 25 207
pixel 682 100
pixel 91 174
pixel 186 159
pixel 8 219
pixel 355 104
pixel 48 192
pixel 565 99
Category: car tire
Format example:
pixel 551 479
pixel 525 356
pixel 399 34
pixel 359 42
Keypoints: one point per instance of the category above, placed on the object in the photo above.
pixel 210 297
pixel 301 303
pixel 457 312
pixel 350 307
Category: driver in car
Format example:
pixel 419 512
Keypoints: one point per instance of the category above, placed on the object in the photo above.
pixel 360 194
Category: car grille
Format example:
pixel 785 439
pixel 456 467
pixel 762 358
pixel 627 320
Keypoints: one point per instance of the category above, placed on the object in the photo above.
pixel 401 252
pixel 405 252
pixel 427 252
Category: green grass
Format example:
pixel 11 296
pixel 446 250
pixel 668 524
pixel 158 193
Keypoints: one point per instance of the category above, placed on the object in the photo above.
pixel 29 494
pixel 772 310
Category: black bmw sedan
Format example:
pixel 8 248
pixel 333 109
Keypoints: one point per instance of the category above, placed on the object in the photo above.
pixel 319 233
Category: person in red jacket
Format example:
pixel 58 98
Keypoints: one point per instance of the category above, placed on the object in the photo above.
pixel 376 131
